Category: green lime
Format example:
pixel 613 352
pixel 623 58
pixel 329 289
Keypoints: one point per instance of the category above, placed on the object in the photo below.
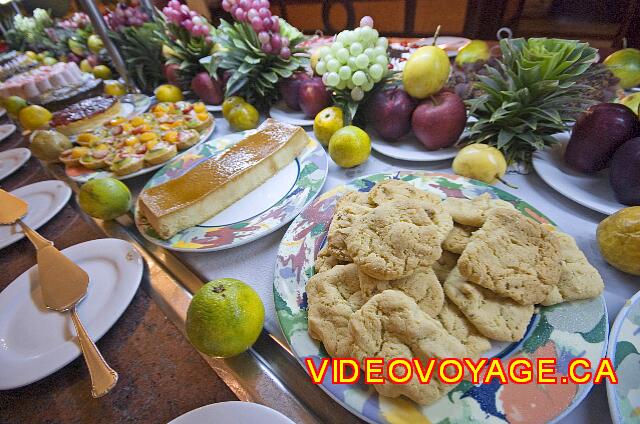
pixel 105 198
pixel 14 104
pixel 349 146
pixel 225 318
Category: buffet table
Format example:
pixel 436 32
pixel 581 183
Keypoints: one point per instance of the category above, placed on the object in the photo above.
pixel 163 377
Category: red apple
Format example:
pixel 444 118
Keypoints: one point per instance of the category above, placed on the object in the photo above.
pixel 207 88
pixel 390 112
pixel 171 73
pixel 439 120
pixel 313 96
pixel 289 89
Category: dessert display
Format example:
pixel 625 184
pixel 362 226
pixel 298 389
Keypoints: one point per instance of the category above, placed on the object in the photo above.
pixel 12 63
pixel 124 146
pixel 85 115
pixel 43 80
pixel 459 273
pixel 211 186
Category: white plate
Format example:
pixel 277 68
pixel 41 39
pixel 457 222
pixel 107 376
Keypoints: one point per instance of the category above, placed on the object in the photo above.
pixel 45 199
pixel 450 44
pixel 591 191
pixel 235 412
pixel 409 148
pixel 12 159
pixel 214 108
pixel 34 341
pixel 6 130
pixel 281 112
pixel 2 111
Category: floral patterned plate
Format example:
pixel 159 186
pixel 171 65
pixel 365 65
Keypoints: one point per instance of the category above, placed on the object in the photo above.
pixel 624 350
pixel 565 331
pixel 264 210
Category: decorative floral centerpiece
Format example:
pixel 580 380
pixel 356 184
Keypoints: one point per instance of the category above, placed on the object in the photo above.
pixel 258 48
pixel 133 31
pixel 35 33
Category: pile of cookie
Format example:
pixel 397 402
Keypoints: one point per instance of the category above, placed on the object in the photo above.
pixel 406 274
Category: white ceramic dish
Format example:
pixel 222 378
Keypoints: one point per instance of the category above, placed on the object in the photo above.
pixel 235 412
pixel 45 199
pixel 2 111
pixel 214 108
pixel 409 148
pixel 450 44
pixel 34 341
pixel 591 191
pixel 282 113
pixel 6 130
pixel 11 160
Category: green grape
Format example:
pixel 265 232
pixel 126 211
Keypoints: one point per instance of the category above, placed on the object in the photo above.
pixel 336 46
pixel 362 61
pixel 380 51
pixel 341 85
pixel 345 73
pixel 333 79
pixel 382 42
pixel 341 37
pixel 371 53
pixel 382 61
pixel 367 35
pixel 367 86
pixel 350 84
pixel 359 78
pixel 323 51
pixel 342 55
pixel 321 67
pixel 350 37
pixel 355 49
pixel 376 70
pixel 357 94
pixel 351 63
pixel 333 65
pixel 374 39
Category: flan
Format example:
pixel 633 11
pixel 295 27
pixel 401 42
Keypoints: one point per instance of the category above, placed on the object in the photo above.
pixel 85 115
pixel 216 183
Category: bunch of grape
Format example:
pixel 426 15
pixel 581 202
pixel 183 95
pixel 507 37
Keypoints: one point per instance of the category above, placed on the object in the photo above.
pixel 356 60
pixel 180 14
pixel 125 16
pixel 257 14
pixel 77 20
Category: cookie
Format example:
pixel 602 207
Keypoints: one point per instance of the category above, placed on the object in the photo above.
pixel 494 317
pixel 348 208
pixel 325 261
pixel 443 266
pixel 333 296
pixel 462 329
pixel 390 190
pixel 473 212
pixel 422 286
pixel 579 279
pixel 513 256
pixel 391 325
pixel 392 240
pixel 458 238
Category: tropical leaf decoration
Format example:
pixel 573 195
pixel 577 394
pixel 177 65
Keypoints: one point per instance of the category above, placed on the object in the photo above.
pixel 255 73
pixel 531 94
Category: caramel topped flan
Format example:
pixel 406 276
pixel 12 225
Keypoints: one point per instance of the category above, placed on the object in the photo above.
pixel 213 185
pixel 85 114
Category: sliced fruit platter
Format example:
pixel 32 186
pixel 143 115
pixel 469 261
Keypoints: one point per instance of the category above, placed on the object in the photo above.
pixel 124 148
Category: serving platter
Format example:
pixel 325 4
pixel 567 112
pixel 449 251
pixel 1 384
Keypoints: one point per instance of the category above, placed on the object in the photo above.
pixel 36 341
pixel 565 331
pixel 264 210
pixel 11 160
pixel 6 130
pixel 409 148
pixel 624 351
pixel 236 412
pixel 591 191
pixel 281 112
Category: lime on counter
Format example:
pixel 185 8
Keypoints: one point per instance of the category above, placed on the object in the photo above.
pixel 619 239
pixel 34 117
pixel 225 318
pixel 105 198
pixel 349 146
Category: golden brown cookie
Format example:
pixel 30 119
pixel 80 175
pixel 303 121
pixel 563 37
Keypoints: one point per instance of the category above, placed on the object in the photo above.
pixel 348 208
pixel 391 325
pixel 392 240
pixel 392 189
pixel 458 238
pixel 513 256
pixel 333 296
pixel 443 266
pixel 493 316
pixel 456 324
pixel 422 286
pixel 473 212
pixel 579 279
pixel 325 261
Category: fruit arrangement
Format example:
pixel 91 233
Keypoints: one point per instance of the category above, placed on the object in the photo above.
pixel 608 135
pixel 126 146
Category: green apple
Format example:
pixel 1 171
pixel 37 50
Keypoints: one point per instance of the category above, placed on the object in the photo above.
pixel 95 44
pixel 474 51
pixel 625 65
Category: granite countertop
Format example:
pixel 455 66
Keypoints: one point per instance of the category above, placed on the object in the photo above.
pixel 161 375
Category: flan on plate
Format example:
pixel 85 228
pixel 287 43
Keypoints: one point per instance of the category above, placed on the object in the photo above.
pixel 213 185
pixel 85 115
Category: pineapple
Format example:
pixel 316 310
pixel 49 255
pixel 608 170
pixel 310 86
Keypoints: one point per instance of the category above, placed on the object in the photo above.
pixel 531 94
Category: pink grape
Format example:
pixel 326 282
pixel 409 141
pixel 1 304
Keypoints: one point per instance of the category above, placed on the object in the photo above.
pixel 266 23
pixel 285 42
pixel 263 36
pixel 264 12
pixel 285 52
pixel 256 4
pixel 366 21
pixel 256 24
pixel 276 42
pixel 252 13
pixel 244 4
pixel 265 3
pixel 240 14
pixel 267 48
pixel 275 23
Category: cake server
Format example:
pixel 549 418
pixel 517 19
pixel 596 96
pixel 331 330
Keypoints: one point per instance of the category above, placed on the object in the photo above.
pixel 64 284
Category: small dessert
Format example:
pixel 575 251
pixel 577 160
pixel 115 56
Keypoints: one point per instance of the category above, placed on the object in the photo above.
pixel 85 115
pixel 187 138
pixel 160 153
pixel 214 184
pixel 124 165
pixel 42 80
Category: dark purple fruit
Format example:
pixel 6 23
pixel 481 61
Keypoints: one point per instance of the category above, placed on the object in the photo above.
pixel 389 112
pixel 289 89
pixel 625 173
pixel 597 134
pixel 313 96
pixel 208 89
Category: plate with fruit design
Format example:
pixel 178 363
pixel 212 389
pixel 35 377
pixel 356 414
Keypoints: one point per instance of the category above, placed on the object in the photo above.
pixel 267 208
pixel 564 331
pixel 591 191
pixel 624 351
